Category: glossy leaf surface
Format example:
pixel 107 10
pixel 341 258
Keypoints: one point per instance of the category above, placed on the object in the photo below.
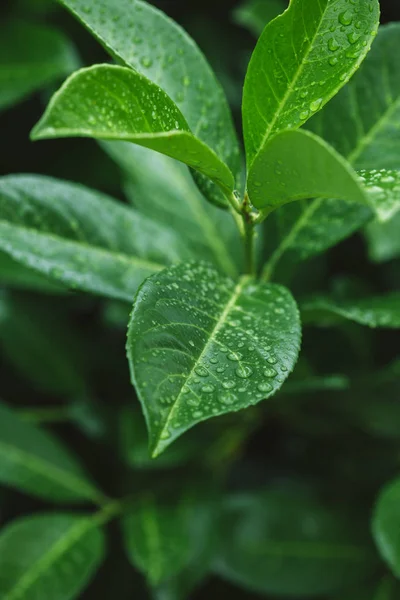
pixel 385 525
pixel 162 189
pixel 116 103
pixel 164 538
pixel 31 57
pixel 301 60
pixel 255 14
pixel 15 275
pixel 49 556
pixel 40 345
pixel 283 542
pixel 200 345
pixel 381 311
pixel 145 39
pixel 80 237
pixel 33 461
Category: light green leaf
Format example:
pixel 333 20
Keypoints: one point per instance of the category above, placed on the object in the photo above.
pixel 38 342
pixel 164 538
pixel 31 57
pixel 33 461
pixel 285 542
pixel 169 196
pixel 116 103
pixel 49 556
pixel 128 30
pixel 380 311
pixel 301 60
pixel 200 345
pixel 255 14
pixel 384 239
pixel 386 525
pixel 80 237
pixel 15 275
pixel 361 123
pixel 383 189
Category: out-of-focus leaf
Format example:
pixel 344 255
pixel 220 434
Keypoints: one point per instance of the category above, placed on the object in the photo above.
pixel 379 311
pixel 33 461
pixel 49 556
pixel 255 14
pixel 40 345
pixel 283 541
pixel 201 345
pixel 31 57
pixel 128 29
pixel 384 239
pixel 80 237
pixel 386 525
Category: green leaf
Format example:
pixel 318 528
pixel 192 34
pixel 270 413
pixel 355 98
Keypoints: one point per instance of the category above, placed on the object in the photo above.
pixel 33 461
pixel 164 538
pixel 49 556
pixel 127 29
pixel 116 103
pixel 380 311
pixel 384 239
pixel 361 123
pixel 387 589
pixel 285 542
pixel 31 57
pixel 200 345
pixel 255 14
pixel 383 189
pixel 41 345
pixel 169 196
pixel 301 60
pixel 15 275
pixel 80 237
pixel 386 525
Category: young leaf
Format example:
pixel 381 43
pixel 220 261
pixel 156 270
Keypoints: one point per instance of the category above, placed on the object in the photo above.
pixel 170 197
pixel 285 542
pixel 32 461
pixel 386 525
pixel 301 60
pixel 164 538
pixel 360 123
pixel 40 345
pixel 200 345
pixel 128 30
pixel 49 556
pixel 31 57
pixel 80 237
pixel 255 14
pixel 116 103
pixel 381 311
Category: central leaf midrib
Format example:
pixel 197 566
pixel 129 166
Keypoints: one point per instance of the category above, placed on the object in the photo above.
pixel 218 325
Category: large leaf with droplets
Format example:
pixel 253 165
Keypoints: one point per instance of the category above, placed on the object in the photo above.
pixel 166 538
pixel 201 345
pixel 15 275
pixel 115 103
pixel 80 237
pixel 145 39
pixel 38 341
pixel 284 541
pixel 296 165
pixel 386 525
pixel 379 311
pixel 163 189
pixel 31 57
pixel 301 60
pixel 361 123
pixel 255 14
pixel 49 555
pixel 33 461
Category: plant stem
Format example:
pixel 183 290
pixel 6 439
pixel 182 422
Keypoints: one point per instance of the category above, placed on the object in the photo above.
pixel 249 245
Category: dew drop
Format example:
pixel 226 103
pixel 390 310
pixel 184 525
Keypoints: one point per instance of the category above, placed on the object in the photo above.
pixel 264 387
pixel 208 389
pixel 269 372
pixel 201 371
pixel 333 61
pixel 233 357
pixel 244 371
pixel 346 18
pixel 316 104
pixel 333 45
pixel 146 62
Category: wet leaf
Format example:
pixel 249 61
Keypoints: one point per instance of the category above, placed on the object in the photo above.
pixel 33 461
pixel 200 345
pixel 80 237
pixel 31 57
pixel 384 239
pixel 301 61
pixel 49 556
pixel 115 103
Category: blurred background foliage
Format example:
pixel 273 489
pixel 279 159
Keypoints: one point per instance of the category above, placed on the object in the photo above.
pixel 326 443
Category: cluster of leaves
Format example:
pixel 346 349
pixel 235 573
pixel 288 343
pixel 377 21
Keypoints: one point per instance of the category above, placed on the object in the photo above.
pixel 211 255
